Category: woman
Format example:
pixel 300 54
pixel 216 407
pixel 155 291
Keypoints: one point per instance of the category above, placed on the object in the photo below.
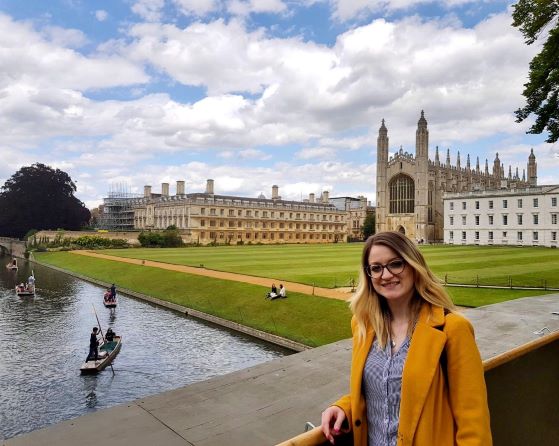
pixel 416 373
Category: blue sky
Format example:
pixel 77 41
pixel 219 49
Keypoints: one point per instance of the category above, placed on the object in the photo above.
pixel 253 93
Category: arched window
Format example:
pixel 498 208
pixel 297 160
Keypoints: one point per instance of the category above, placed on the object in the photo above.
pixel 402 193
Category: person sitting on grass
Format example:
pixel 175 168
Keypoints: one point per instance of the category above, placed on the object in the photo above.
pixel 282 292
pixel 272 294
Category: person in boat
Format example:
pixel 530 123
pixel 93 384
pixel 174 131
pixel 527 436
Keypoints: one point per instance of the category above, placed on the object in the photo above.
pixel 113 292
pixel 93 346
pixel 31 282
pixel 416 372
pixel 110 335
pixel 107 296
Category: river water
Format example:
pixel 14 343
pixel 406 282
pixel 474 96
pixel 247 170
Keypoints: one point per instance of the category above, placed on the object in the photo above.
pixel 44 340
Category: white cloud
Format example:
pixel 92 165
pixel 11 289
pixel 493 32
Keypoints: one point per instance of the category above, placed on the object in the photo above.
pixel 198 8
pixel 316 152
pixel 32 61
pixel 149 10
pixel 344 10
pixel 253 154
pixel 246 7
pixel 326 99
pixel 101 15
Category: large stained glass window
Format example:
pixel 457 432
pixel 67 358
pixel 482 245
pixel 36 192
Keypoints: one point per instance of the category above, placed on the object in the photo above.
pixel 402 192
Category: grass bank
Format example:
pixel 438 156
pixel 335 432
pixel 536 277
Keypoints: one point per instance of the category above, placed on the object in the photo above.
pixel 335 265
pixel 306 319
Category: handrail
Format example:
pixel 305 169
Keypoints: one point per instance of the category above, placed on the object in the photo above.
pixel 315 437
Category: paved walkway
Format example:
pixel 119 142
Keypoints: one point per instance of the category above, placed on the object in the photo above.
pixel 290 286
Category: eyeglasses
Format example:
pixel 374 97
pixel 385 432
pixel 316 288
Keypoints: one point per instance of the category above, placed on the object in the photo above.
pixel 395 267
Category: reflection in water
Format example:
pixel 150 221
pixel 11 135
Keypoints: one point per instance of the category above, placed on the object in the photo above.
pixel 45 339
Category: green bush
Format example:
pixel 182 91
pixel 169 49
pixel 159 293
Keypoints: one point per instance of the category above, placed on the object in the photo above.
pixel 169 238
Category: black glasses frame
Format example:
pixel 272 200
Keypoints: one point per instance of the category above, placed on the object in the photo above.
pixel 393 268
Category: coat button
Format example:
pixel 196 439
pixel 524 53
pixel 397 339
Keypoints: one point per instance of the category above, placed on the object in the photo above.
pixel 358 423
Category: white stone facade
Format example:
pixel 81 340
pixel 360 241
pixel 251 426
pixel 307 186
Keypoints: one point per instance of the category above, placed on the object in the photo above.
pixel 522 217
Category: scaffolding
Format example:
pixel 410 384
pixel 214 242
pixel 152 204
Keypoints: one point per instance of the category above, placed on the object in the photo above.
pixel 118 211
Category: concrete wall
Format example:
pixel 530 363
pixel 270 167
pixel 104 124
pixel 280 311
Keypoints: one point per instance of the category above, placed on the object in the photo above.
pixel 524 398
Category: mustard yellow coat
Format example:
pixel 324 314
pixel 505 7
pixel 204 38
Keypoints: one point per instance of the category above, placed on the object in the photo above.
pixel 435 410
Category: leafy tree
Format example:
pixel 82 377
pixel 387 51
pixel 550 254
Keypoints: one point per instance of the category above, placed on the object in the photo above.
pixel 533 18
pixel 368 228
pixel 40 197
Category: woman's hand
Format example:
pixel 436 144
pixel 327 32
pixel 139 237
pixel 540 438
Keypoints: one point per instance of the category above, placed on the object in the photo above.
pixel 332 420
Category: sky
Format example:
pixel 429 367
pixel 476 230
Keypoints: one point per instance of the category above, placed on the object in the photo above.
pixel 253 93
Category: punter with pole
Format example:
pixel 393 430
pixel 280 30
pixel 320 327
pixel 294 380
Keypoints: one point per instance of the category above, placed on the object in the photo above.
pixel 93 346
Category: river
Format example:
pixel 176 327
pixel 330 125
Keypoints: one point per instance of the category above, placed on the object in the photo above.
pixel 44 340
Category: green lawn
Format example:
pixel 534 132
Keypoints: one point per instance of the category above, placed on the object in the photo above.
pixel 336 265
pixel 310 320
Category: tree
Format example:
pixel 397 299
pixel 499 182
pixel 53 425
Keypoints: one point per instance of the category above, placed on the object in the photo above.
pixel 39 197
pixel 533 17
pixel 368 228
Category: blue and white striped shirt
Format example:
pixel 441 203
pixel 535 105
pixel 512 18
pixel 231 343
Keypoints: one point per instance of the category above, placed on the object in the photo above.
pixel 382 385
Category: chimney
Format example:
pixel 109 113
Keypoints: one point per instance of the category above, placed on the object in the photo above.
pixel 180 187
pixel 275 195
pixel 147 191
pixel 164 189
pixel 325 196
pixel 210 187
pixel 311 198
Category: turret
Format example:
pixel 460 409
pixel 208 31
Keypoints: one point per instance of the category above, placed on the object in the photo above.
pixel 477 164
pixel 532 169
pixel 382 163
pixel 422 180
pixel 422 138
pixel 497 167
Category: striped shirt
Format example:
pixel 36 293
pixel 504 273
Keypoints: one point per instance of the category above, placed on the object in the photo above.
pixel 382 385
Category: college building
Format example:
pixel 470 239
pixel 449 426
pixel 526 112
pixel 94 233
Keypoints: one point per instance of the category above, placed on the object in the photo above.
pixel 207 217
pixel 522 217
pixel 411 187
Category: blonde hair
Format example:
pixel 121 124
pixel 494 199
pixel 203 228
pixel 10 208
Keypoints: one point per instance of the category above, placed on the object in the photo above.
pixel 371 309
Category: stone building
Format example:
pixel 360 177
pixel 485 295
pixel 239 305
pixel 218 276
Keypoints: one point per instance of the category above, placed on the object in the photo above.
pixel 410 188
pixel 356 210
pixel 212 218
pixel 521 217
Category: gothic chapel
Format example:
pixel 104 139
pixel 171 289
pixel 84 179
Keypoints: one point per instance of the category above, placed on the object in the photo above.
pixel 410 188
